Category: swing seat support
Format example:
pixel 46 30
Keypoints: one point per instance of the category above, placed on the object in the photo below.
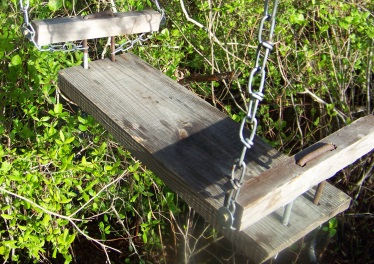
pixel 97 25
pixel 191 146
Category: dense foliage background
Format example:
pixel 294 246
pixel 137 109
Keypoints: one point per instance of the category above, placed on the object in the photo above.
pixel 65 181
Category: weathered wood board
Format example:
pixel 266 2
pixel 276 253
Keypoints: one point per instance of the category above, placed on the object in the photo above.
pixel 63 29
pixel 282 183
pixel 189 144
pixel 264 239
pixel 183 139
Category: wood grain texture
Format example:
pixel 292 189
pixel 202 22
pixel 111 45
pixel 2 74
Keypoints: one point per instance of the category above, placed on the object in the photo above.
pixel 264 239
pixel 283 183
pixel 65 29
pixel 189 144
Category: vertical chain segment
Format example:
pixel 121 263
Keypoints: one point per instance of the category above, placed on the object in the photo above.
pixel 256 85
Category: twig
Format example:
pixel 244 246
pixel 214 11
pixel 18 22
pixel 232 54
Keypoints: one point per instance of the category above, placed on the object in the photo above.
pixel 93 197
pixel 189 42
pixel 365 175
pixel 107 256
pixel 90 238
pixel 59 93
pixel 321 101
pixel 40 207
pixel 368 75
pixel 242 94
pixel 71 220
pixel 125 229
pixel 9 202
pixel 211 36
pixel 201 249
pixel 297 121
pixel 193 251
pixel 216 40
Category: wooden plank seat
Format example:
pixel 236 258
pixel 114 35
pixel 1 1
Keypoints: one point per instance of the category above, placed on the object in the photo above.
pixel 96 25
pixel 192 146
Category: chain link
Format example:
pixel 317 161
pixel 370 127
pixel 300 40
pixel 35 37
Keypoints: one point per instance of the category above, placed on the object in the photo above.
pixel 257 78
pixel 143 37
pixel 131 43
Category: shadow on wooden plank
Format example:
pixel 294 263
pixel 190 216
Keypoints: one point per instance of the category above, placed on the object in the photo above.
pixel 186 142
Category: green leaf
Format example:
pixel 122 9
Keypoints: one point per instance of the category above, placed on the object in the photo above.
pixel 85 197
pixel 10 243
pixel 136 176
pixel 23 228
pixel 5 166
pixel 62 136
pixel 103 147
pixel 70 238
pixel 6 216
pixel 316 122
pixel 54 254
pixel 65 235
pixel 332 232
pixel 144 236
pixel 101 226
pixel 72 194
pixel 46 219
pixel 69 140
pixel 15 178
pixel 54 5
pixel 82 127
pixel 82 120
pixel 65 200
pixel 5 208
pixel 45 118
pixel 16 60
pixel 333 223
pixel 57 109
pixel 62 222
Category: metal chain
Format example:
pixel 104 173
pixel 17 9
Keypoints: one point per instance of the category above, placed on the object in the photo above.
pixel 226 213
pixel 143 37
pixel 29 32
pixel 162 11
pixel 131 43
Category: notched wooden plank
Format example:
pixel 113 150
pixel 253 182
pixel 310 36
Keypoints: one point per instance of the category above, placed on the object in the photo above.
pixel 281 184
